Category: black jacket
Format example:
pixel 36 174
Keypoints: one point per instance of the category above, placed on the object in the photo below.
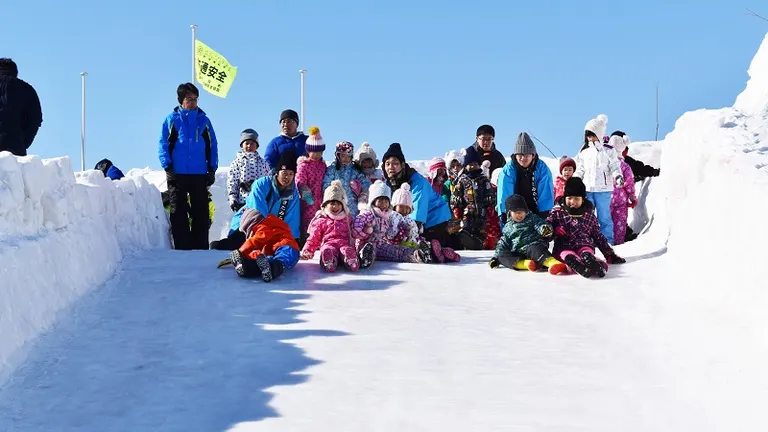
pixel 641 170
pixel 20 115
pixel 496 157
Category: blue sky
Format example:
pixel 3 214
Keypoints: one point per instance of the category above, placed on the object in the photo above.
pixel 422 73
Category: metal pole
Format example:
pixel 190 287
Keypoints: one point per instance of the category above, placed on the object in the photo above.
pixel 194 54
pixel 657 112
pixel 303 115
pixel 82 126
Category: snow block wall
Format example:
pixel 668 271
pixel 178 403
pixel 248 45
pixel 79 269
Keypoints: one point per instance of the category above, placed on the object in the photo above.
pixel 61 235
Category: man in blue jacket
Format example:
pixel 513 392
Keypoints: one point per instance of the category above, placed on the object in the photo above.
pixel 526 175
pixel 289 139
pixel 189 155
pixel 20 113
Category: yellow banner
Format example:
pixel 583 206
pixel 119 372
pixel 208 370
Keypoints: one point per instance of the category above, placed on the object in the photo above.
pixel 213 71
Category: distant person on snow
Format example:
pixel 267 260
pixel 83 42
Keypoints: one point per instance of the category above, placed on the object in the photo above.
pixel 289 139
pixel 577 232
pixel 526 175
pixel 245 169
pixel 484 148
pixel 624 196
pixel 640 170
pixel 189 154
pixel 110 171
pixel 20 112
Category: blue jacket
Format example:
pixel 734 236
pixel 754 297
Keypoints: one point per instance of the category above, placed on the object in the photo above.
pixel 188 143
pixel 346 175
pixel 429 207
pixel 545 188
pixel 114 173
pixel 281 143
pixel 265 197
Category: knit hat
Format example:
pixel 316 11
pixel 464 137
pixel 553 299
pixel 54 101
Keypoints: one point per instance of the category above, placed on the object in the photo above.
pixel 287 161
pixel 315 142
pixel 249 134
pixel 524 144
pixel 486 130
pixel 566 161
pixel 250 218
pixel 434 165
pixel 378 189
pixel 403 196
pixel 335 192
pixel 574 187
pixel 454 155
pixel 395 151
pixel 366 152
pixel 290 115
pixel 515 202
pixel 345 147
pixel 597 125
pixel 618 143
pixel 471 157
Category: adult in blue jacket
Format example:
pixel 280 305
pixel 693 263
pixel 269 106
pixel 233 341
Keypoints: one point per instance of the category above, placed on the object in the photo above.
pixel 430 210
pixel 290 139
pixel 109 169
pixel 189 154
pixel 275 194
pixel 526 175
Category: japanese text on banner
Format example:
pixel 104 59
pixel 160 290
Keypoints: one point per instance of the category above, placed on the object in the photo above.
pixel 213 71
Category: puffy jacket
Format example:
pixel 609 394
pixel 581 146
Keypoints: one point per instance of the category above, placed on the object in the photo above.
pixel 188 143
pixel 559 188
pixel 267 199
pixel 309 176
pixel 280 144
pixel 429 208
pixel 598 166
pixel 328 230
pixel 623 194
pixel 114 173
pixel 471 201
pixel 247 167
pixel 580 230
pixel 517 236
pixel 388 227
pixel 347 174
pixel 267 237
pixel 542 177
pixel 20 115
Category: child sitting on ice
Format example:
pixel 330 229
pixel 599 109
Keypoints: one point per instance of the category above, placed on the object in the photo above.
pixel 354 181
pixel 577 232
pixel 310 172
pixel 269 250
pixel 438 178
pixel 471 202
pixel 381 230
pixel 245 169
pixel 567 168
pixel 524 243
pixel 366 162
pixel 330 231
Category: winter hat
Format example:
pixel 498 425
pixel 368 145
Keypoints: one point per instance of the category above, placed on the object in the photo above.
pixel 250 218
pixel 618 143
pixel 434 165
pixel 454 155
pixel 287 161
pixel 395 151
pixel 366 152
pixel 597 125
pixel 335 192
pixel 514 203
pixel 249 134
pixel 566 161
pixel 574 186
pixel 315 142
pixel 345 147
pixel 403 196
pixel 378 189
pixel 524 144
pixel 471 157
pixel 486 130
pixel 289 114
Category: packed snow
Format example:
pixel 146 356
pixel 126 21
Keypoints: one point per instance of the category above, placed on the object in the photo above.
pixel 673 340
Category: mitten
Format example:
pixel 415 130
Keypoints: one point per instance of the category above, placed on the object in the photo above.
pixel 307 255
pixel 211 178
pixel 620 181
pixel 632 202
pixel 457 213
pixel 546 230
pixel 560 232
pixel 494 263
pixel 615 259
pixel 307 196
pixel 356 187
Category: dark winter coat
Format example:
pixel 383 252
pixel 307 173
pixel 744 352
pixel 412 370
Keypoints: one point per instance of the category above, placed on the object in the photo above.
pixel 516 237
pixel 577 229
pixel 496 158
pixel 20 115
pixel 281 144
pixel 188 143
pixel 472 199
pixel 641 170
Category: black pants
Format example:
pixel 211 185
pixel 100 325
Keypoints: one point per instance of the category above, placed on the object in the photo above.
pixel 194 185
pixel 440 233
pixel 230 243
pixel 470 241
pixel 536 252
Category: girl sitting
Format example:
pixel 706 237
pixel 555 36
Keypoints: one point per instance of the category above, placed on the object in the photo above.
pixel 355 183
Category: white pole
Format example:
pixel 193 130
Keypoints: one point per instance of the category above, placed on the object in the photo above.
pixel 194 54
pixel 82 126
pixel 303 115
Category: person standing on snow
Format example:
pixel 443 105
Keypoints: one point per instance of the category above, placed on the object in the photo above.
pixel 289 139
pixel 484 148
pixel 20 112
pixel 189 154
pixel 526 175
pixel 624 196
pixel 245 169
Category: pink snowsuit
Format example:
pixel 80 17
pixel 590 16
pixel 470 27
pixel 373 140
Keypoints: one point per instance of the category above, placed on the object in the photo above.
pixel 389 230
pixel 559 188
pixel 620 200
pixel 333 236
pixel 309 175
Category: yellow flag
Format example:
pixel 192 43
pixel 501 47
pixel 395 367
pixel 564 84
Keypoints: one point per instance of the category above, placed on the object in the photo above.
pixel 213 71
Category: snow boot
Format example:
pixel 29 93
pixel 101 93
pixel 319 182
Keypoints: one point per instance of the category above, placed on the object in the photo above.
pixel 532 265
pixel 243 266
pixel 451 255
pixel 276 269
pixel 574 264
pixel 328 260
pixel 437 251
pixel 554 266
pixel 367 255
pixel 594 265
pixel 427 249
pixel 350 258
pixel 421 257
pixel 264 265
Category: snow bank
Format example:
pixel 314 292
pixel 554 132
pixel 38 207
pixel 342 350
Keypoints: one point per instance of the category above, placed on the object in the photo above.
pixel 62 235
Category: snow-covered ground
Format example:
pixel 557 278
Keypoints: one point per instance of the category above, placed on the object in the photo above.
pixel 673 340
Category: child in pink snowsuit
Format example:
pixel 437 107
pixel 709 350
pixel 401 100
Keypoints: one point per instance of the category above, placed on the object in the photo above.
pixel 577 232
pixel 309 179
pixel 623 196
pixel 331 232
pixel 567 168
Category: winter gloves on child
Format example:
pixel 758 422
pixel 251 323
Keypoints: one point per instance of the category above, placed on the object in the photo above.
pixel 615 259
pixel 545 230
pixel 306 195
pixel 620 181
pixel 494 263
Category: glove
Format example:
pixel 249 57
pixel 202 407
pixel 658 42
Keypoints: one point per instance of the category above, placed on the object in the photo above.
pixel 456 213
pixel 560 232
pixel 307 196
pixel 546 230
pixel 494 263
pixel 356 187
pixel 307 255
pixel 632 202
pixel 211 178
pixel 234 205
pixel 615 259
pixel 620 181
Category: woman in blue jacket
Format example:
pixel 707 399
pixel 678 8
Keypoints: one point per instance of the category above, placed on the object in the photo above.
pixel 526 175
pixel 430 211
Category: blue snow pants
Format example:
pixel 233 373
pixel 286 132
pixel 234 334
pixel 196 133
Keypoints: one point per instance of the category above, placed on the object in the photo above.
pixel 602 202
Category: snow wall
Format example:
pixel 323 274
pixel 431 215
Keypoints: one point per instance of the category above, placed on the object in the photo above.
pixel 61 235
